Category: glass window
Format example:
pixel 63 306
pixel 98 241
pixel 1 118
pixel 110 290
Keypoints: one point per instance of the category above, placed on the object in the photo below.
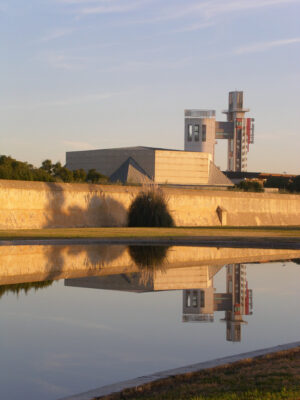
pixel 203 133
pixel 188 299
pixel 202 298
pixel 195 299
pixel 190 133
pixel 196 132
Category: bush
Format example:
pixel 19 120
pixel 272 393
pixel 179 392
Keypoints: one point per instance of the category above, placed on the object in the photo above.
pixel 150 208
pixel 295 185
pixel 250 186
pixel 148 256
pixel 279 182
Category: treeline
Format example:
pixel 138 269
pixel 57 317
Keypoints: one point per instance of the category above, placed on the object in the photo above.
pixel 284 184
pixel 47 172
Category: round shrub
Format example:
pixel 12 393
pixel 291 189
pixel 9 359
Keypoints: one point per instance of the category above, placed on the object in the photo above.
pixel 148 256
pixel 150 209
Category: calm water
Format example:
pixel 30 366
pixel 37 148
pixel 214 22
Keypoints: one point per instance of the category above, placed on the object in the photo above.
pixel 118 313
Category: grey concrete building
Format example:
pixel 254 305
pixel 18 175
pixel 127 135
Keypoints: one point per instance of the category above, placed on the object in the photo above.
pixel 148 164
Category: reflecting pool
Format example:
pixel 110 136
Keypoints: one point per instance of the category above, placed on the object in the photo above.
pixel 79 317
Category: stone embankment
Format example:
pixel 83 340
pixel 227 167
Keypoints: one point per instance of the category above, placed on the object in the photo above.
pixel 29 205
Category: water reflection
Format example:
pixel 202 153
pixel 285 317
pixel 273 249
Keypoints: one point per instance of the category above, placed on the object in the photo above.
pixel 200 299
pixel 24 287
pixel 199 305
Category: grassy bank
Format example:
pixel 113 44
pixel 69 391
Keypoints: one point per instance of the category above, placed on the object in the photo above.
pixel 61 233
pixel 271 377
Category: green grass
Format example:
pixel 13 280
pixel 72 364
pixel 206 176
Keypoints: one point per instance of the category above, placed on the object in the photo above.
pixel 263 232
pixel 272 377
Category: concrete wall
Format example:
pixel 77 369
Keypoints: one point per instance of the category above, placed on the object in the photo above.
pixel 26 205
pixel 180 167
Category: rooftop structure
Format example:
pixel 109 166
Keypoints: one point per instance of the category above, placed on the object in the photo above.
pixel 201 130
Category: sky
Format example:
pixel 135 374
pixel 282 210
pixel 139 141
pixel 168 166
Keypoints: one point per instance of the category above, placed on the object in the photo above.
pixel 88 74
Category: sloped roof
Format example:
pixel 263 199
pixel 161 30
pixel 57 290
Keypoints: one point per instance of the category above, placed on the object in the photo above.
pixel 130 171
pixel 216 177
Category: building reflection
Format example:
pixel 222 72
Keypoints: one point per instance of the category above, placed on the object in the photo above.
pixel 200 299
pixel 199 305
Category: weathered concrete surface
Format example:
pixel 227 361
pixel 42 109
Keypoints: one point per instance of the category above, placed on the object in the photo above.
pixel 21 263
pixel 28 205
pixel 142 380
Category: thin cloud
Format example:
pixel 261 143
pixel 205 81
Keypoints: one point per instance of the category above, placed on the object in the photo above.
pixel 58 60
pixel 73 145
pixel 264 46
pixel 90 7
pixel 70 101
pixel 55 34
pixel 210 9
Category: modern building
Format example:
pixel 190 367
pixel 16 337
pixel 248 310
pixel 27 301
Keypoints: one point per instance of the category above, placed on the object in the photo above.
pixel 148 164
pixel 201 130
pixel 194 166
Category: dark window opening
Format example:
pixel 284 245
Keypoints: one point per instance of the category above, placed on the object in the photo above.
pixel 203 133
pixel 196 131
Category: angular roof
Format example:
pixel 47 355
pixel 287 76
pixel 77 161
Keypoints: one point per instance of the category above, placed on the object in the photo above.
pixel 216 177
pixel 130 171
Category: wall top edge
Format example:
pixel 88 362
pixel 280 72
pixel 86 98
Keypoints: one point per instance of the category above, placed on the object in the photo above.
pixel 82 187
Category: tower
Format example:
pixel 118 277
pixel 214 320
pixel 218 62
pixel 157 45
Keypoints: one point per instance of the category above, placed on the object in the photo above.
pixel 243 132
pixel 200 131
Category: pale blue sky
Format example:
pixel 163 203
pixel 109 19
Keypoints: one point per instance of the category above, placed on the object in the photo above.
pixel 83 74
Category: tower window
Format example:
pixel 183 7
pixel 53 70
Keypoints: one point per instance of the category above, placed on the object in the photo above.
pixel 190 133
pixel 203 133
pixel 196 131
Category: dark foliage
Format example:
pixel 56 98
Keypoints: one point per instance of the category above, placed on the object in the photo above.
pixel 149 209
pixel 18 287
pixel 250 186
pixel 295 184
pixel 48 172
pixel 279 182
pixel 95 177
pixel 148 256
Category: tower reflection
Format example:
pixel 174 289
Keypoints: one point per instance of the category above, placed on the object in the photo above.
pixel 199 305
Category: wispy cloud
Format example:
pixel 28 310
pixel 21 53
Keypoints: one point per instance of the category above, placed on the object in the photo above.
pixel 55 34
pixel 69 101
pixel 207 10
pixel 86 7
pixel 149 64
pixel 263 46
pixel 73 145
pixel 60 60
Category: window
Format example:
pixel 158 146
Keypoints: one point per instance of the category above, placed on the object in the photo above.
pixel 202 298
pixel 196 132
pixel 195 299
pixel 203 133
pixel 188 299
pixel 190 133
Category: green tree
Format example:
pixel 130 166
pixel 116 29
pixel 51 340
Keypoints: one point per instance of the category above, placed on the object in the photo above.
pixel 47 166
pixel 95 176
pixel 279 182
pixel 79 175
pixel 250 186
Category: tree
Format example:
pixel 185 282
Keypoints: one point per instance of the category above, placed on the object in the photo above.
pixel 279 182
pixel 95 177
pixel 250 186
pixel 79 175
pixel 47 166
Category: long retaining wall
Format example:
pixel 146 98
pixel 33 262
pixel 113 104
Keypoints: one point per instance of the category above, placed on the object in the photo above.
pixel 27 205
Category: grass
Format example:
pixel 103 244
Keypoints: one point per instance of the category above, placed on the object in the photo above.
pixel 271 377
pixel 193 232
